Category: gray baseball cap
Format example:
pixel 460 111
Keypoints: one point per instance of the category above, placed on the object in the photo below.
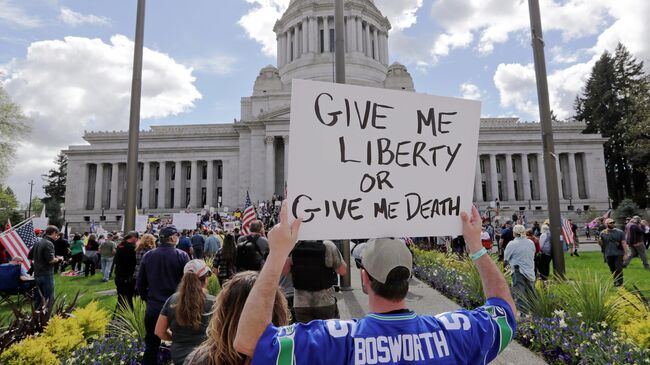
pixel 381 255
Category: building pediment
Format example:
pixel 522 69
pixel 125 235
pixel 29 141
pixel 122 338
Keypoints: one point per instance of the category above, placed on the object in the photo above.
pixel 281 114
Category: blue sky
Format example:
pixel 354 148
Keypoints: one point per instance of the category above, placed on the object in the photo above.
pixel 66 62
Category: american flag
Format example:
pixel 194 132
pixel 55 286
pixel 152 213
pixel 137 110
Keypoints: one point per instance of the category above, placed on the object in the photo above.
pixel 567 232
pixel 249 215
pixel 19 240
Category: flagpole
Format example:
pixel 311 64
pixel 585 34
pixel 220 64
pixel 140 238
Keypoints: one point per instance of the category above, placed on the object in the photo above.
pixel 339 29
pixel 18 225
pixel 134 122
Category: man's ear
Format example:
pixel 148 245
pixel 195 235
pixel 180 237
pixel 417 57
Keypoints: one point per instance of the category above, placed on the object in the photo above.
pixel 365 278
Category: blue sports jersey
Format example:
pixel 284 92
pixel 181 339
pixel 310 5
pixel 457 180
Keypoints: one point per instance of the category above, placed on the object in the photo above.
pixel 460 337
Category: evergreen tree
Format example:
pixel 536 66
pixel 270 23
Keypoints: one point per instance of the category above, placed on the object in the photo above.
pixel 614 100
pixel 55 190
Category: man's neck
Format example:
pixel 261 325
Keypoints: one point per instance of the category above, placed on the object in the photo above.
pixel 377 304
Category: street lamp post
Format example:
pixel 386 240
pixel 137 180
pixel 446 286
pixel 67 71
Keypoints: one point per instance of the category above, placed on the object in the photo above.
pixel 550 156
pixel 134 122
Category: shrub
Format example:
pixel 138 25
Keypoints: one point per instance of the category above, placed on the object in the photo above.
pixel 92 320
pixel 592 297
pixel 213 285
pixel 63 335
pixel 32 351
pixel 107 351
pixel 542 302
pixel 633 317
pixel 129 322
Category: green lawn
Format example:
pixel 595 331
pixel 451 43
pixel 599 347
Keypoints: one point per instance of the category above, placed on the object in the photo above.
pixel 593 261
pixel 87 288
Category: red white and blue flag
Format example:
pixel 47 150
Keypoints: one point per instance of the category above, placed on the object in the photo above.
pixel 249 215
pixel 18 241
pixel 567 232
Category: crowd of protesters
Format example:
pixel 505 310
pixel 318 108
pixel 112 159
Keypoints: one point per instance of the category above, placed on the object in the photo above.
pixel 170 270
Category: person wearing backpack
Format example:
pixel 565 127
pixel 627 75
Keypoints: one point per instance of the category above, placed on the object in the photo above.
pixel 314 266
pixel 252 249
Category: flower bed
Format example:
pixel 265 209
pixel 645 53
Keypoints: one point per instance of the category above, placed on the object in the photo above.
pixel 579 322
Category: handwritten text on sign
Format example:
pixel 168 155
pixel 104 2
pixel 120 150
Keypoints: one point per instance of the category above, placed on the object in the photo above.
pixel 370 162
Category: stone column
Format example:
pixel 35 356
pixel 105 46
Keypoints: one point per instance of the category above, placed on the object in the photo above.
pixel 279 50
pixel 162 185
pixel 84 186
pixel 558 168
pixel 510 178
pixel 359 33
pixel 368 45
pixel 384 42
pixel 286 159
pixel 270 166
pixel 313 34
pixel 230 183
pixel 288 46
pixel 209 184
pixel 573 176
pixel 115 175
pixel 525 176
pixel 296 42
pixel 99 186
pixel 305 36
pixel 349 38
pixel 541 177
pixel 326 34
pixel 494 185
pixel 478 186
pixel 194 181
pixel 178 175
pixel 146 184
pixel 376 42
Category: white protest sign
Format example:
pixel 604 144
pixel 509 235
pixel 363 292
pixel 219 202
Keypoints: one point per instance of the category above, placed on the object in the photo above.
pixel 368 163
pixel 228 226
pixel 184 220
pixel 141 223
pixel 40 223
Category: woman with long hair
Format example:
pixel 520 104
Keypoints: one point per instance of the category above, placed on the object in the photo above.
pixel 218 348
pixel 185 316
pixel 90 258
pixel 224 260
pixel 146 244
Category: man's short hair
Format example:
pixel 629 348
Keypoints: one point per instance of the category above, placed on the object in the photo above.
pixel 256 226
pixel 51 230
pixel 396 286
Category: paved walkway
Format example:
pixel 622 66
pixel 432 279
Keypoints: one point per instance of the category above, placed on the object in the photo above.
pixel 425 300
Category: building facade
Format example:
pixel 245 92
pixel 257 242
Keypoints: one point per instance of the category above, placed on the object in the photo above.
pixel 193 166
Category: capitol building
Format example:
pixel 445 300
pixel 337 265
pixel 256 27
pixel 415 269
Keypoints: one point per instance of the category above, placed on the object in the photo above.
pixel 250 154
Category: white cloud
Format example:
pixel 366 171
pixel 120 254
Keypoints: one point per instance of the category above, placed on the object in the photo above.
pixel 217 64
pixel 258 23
pixel 76 84
pixel 516 82
pixel 12 14
pixel 400 13
pixel 517 88
pixel 71 17
pixel 470 91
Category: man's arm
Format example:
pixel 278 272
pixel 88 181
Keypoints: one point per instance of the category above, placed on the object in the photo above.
pixel 494 284
pixel 258 310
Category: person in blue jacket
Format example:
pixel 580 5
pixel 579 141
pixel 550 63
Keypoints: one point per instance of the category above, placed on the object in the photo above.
pixel 391 333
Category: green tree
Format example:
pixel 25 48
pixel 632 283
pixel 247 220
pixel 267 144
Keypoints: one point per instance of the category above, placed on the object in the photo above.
pixel 613 102
pixel 13 126
pixel 8 207
pixel 55 182
pixel 36 207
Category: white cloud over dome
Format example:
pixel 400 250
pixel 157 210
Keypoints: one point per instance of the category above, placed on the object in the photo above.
pixel 76 84
pixel 73 18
